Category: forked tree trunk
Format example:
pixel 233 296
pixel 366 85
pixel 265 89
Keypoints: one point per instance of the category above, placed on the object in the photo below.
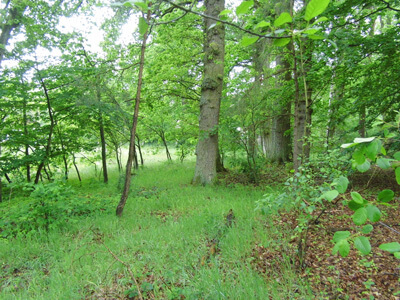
pixel 211 93
pixel 131 153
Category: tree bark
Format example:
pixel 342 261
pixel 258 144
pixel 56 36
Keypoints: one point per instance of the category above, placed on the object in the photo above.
pixel 211 93
pixel 131 153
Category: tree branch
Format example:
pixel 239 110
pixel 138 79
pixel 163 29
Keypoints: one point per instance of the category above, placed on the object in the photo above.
pixel 225 22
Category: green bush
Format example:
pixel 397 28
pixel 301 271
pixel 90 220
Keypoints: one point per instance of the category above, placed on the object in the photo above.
pixel 50 206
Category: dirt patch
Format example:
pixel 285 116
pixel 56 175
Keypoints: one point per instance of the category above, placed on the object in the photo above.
pixel 374 276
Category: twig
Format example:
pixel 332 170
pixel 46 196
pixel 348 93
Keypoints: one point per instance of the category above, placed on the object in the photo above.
pixel 128 268
pixel 387 226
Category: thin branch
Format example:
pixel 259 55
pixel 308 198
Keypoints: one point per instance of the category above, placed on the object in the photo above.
pixel 383 224
pixel 389 7
pixel 225 22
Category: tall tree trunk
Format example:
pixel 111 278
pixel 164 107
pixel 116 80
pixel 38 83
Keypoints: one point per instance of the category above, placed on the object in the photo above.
pixel 276 144
pixel 128 174
pixel 211 93
pixel 50 136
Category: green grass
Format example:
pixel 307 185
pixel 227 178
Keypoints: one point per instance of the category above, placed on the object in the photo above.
pixel 164 234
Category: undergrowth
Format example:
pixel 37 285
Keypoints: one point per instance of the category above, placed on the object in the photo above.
pixel 171 243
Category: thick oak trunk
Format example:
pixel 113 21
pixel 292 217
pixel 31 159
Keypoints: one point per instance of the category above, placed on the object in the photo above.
pixel 211 92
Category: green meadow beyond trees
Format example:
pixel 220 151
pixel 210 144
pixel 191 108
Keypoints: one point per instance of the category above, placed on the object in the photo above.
pixel 167 149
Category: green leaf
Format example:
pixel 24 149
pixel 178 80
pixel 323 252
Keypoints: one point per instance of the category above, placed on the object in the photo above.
pixel 353 205
pixel 248 40
pixel 315 8
pixel 397 155
pixel 344 248
pixel 340 235
pixel 281 42
pixel 358 155
pixel 372 150
pixel 362 244
pixel 383 163
pixel 330 195
pixel 357 198
pixel 321 19
pixel 341 184
pixel 312 30
pixel 244 7
pixel 283 19
pixel 364 167
pixel 383 150
pixel 390 247
pixel 139 4
pixel 367 229
pixel 360 216
pixel 373 213
pixel 397 173
pixel 316 37
pixel 262 24
pixel 143 26
pixel 385 196
pixel 397 255
pixel 225 12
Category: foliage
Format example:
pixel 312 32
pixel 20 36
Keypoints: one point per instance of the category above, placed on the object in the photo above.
pixel 367 151
pixel 50 206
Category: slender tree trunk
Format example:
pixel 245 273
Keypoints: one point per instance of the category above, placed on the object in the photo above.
pixel 76 168
pixel 211 92
pixel 50 136
pixel 25 120
pixel 135 159
pixel 116 148
pixel 361 121
pixel 102 134
pixel 103 149
pixel 302 111
pixel 63 151
pixel 162 136
pixel 140 150
pixel 131 153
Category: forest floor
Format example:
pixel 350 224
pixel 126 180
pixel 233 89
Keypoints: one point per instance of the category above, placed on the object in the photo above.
pixel 178 241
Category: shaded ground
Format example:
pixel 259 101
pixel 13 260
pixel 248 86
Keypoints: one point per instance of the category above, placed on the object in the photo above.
pixel 374 276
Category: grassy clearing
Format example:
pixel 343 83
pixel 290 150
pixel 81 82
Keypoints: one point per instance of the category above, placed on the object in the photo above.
pixel 172 235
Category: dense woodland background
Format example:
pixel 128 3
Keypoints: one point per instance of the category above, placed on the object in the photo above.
pixel 257 92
